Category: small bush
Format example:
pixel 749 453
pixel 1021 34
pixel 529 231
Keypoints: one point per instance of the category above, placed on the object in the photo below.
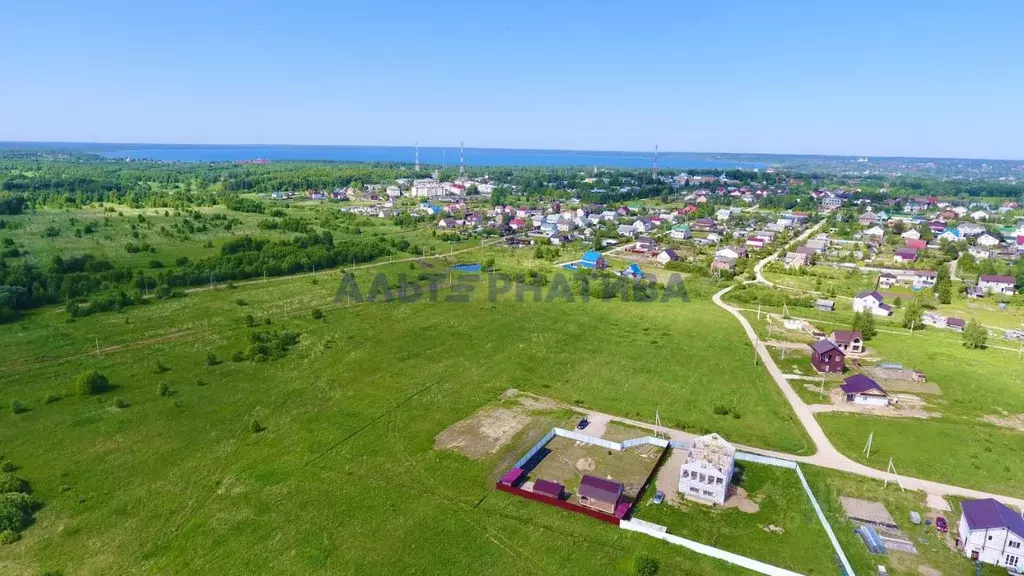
pixel 238 357
pixel 211 359
pixel 317 313
pixel 159 367
pixel 119 403
pixel 163 389
pixel 9 537
pixel 7 466
pixel 92 382
pixel 240 301
pixel 18 408
pixel 229 285
pixel 156 264
pixel 250 321
pixel 200 382
pixel 644 565
pixel 256 427
pixel 9 483
pixel 721 410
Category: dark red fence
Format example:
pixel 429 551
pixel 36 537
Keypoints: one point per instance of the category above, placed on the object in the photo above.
pixel 565 505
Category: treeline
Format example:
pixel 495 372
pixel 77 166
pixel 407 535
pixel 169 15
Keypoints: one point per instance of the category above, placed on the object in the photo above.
pixel 71 280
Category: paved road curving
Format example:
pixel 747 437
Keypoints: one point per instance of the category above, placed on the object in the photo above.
pixel 827 456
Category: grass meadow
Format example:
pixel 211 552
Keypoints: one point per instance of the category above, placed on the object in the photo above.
pixel 344 478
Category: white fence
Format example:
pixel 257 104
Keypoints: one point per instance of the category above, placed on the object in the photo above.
pixel 767 460
pixel 617 446
pixel 743 561
pixel 824 522
pixel 536 447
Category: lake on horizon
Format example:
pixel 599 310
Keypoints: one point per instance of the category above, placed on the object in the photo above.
pixel 428 156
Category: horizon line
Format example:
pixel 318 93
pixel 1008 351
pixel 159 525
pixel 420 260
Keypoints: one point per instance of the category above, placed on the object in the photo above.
pixel 587 150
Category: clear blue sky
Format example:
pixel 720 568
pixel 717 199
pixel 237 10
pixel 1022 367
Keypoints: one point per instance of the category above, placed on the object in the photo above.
pixel 907 77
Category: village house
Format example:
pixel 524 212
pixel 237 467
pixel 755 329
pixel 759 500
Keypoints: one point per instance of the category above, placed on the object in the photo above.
pixel 827 357
pixel 795 260
pixel 830 203
pixel 849 341
pixel 956 324
pixel 723 214
pixel 680 232
pixel 825 305
pixel 819 245
pixel 872 302
pixel 600 494
pixel 723 263
pixel 911 278
pixel 593 260
pixel 446 223
pixel 645 244
pixel 987 240
pixel 707 471
pixel 994 284
pixel 905 255
pixel 867 219
pixel 704 225
pixel 874 231
pixel 859 389
pixel 911 234
pixel 626 230
pixel 992 533
pixel 666 256
pixel 732 252
pixel 916 244
pixel 633 272
pixel 971 229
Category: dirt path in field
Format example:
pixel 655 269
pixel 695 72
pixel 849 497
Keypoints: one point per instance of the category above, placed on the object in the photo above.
pixel 21 364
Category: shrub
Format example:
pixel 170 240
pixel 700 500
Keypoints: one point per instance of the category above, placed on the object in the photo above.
pixel 10 483
pixel 240 301
pixel 256 427
pixel 721 410
pixel 200 382
pixel 92 382
pixel 119 403
pixel 163 389
pixel 181 261
pixel 7 466
pixel 238 357
pixel 317 313
pixel 211 359
pixel 644 565
pixel 156 264
pixel 17 407
pixel 9 537
pixel 52 397
pixel 250 321
pixel 229 285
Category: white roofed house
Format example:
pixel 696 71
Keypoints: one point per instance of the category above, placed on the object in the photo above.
pixel 987 240
pixel 873 302
pixel 874 231
pixel 707 471
pixel 911 234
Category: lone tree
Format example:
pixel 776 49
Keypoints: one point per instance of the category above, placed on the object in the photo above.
pixel 913 314
pixel 92 382
pixel 975 335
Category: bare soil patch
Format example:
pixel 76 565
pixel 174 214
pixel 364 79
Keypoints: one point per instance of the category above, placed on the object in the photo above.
pixel 739 499
pixel 901 381
pixel 1014 421
pixel 483 433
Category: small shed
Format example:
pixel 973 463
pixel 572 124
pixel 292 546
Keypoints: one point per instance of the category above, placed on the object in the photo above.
pixel 826 305
pixel 548 488
pixel 600 493
pixel 512 477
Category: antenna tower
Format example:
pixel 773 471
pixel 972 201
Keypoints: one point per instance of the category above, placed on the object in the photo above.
pixel 654 172
pixel 462 160
pixel 417 156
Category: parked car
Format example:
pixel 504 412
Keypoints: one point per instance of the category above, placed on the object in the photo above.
pixel 940 524
pixel 659 497
pixel 582 423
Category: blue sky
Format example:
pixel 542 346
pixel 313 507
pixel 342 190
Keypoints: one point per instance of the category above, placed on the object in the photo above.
pixel 921 78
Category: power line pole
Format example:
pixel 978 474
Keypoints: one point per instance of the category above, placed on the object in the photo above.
pixel 867 447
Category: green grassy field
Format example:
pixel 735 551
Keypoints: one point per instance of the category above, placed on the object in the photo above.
pixel 803 546
pixel 345 478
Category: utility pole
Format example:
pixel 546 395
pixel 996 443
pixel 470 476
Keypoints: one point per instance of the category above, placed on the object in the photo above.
pixel 867 447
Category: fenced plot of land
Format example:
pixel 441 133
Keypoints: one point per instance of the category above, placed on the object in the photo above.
pixel 565 461
pixel 484 432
